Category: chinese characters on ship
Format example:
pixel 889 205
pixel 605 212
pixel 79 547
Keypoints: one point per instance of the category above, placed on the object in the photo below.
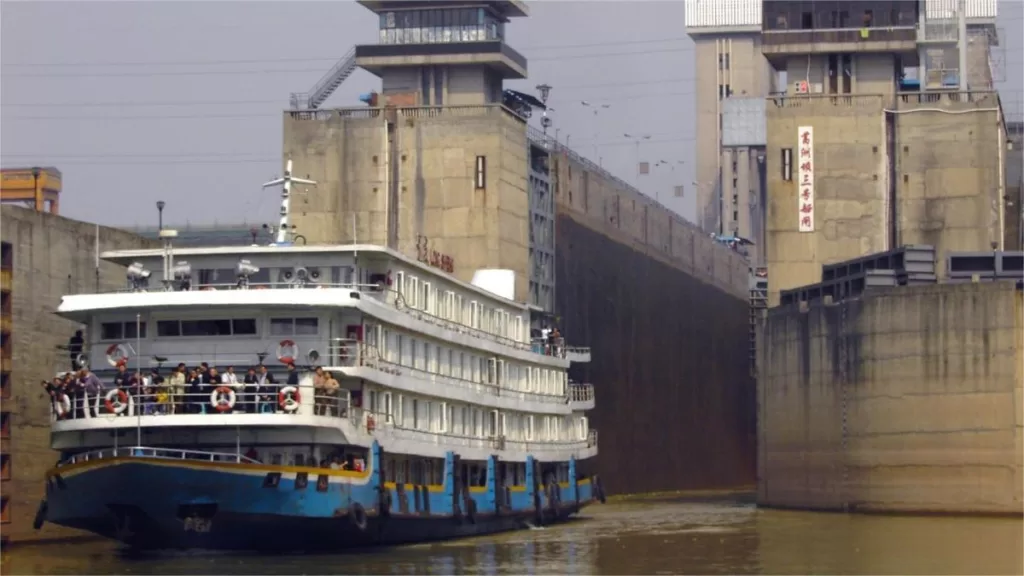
pixel 433 257
pixel 805 179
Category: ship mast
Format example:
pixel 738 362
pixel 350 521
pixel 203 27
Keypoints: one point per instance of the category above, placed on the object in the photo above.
pixel 286 181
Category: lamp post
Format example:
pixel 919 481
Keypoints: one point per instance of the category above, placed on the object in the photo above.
pixel 637 138
pixel 160 213
pixel 596 107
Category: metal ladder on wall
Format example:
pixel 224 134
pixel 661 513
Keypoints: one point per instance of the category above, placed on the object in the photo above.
pixel 326 85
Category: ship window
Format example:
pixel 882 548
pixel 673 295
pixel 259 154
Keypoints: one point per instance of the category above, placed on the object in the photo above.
pixel 243 326
pixel 168 328
pixel 203 328
pixel 119 330
pixel 294 326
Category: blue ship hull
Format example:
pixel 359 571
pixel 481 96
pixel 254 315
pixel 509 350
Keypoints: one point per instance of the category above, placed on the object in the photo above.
pixel 164 503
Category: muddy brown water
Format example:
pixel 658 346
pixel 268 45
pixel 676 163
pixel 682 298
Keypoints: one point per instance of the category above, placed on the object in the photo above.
pixel 667 536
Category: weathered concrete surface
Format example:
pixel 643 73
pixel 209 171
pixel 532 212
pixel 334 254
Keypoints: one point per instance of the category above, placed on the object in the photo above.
pixel 947 161
pixel 620 212
pixel 664 308
pixel 909 399
pixel 53 256
pixel 850 186
pixel 430 193
pixel 936 182
pixel 675 401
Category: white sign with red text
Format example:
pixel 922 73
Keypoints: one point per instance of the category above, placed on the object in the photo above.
pixel 805 178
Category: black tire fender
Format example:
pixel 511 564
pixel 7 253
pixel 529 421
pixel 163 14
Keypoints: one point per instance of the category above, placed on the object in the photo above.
pixel 40 515
pixel 357 514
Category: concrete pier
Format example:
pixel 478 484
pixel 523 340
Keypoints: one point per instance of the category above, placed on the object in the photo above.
pixel 908 399
pixel 50 256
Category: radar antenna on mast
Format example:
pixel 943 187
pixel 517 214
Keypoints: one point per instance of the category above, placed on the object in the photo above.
pixel 286 183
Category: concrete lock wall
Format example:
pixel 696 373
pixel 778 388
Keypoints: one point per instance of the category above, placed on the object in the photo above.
pixel 906 400
pixel 627 216
pixel 53 256
pixel 947 170
pixel 849 191
pixel 434 203
pixel 927 173
pixel 665 309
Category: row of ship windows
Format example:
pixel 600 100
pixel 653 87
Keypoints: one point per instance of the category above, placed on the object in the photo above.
pixel 419 354
pixel 206 328
pixel 448 305
pixel 441 417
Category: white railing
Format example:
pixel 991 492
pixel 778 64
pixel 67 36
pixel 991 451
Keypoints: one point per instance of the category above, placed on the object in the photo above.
pixel 167 453
pixel 385 424
pixel 400 303
pixel 581 392
pixel 379 292
pixel 337 406
pixel 351 353
pixel 163 401
pixel 556 347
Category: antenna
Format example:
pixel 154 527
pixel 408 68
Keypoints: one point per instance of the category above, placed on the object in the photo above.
pixel 286 181
pixel 545 91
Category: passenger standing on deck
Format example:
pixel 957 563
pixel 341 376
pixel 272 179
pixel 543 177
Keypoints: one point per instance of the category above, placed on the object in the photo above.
pixel 319 400
pixel 195 391
pixel 251 391
pixel 556 342
pixel 90 386
pixel 176 389
pixel 75 344
pixel 293 375
pixel 266 385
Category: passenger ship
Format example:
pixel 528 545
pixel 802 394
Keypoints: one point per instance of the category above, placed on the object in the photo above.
pixel 450 420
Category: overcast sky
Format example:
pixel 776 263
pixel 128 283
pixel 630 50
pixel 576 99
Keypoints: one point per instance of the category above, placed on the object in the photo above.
pixel 181 101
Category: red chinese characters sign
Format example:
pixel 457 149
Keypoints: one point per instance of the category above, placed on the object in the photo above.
pixel 805 179
pixel 433 257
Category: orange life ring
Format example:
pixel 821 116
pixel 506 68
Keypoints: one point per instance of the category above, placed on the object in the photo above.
pixel 122 399
pixel 283 357
pixel 117 354
pixel 289 398
pixel 221 404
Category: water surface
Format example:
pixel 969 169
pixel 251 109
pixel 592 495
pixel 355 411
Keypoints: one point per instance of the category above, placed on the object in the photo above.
pixel 677 536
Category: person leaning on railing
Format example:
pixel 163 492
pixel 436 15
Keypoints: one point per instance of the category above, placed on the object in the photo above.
pixel 176 388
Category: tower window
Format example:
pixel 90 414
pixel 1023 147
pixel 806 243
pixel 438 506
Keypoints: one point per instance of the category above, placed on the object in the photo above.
pixel 787 164
pixel 481 172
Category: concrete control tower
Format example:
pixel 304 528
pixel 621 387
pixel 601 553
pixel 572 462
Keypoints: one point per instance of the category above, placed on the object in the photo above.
pixel 436 166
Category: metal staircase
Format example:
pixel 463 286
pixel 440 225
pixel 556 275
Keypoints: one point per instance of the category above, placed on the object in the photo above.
pixel 326 85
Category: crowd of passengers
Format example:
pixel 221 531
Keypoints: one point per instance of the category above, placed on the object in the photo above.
pixel 187 390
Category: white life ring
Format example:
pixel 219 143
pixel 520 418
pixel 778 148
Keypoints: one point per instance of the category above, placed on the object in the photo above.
pixel 63 404
pixel 223 398
pixel 287 352
pixel 117 354
pixel 116 400
pixel 289 398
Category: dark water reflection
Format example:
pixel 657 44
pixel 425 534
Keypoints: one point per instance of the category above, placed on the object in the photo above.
pixel 646 537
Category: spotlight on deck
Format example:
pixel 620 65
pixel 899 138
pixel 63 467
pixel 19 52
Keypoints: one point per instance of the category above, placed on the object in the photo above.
pixel 244 269
pixel 312 356
pixel 138 276
pixel 182 272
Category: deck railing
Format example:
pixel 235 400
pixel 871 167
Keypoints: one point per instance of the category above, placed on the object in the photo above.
pixel 362 354
pixel 581 392
pixel 338 406
pixel 166 453
pixel 378 292
pixel 377 422
pixel 215 399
